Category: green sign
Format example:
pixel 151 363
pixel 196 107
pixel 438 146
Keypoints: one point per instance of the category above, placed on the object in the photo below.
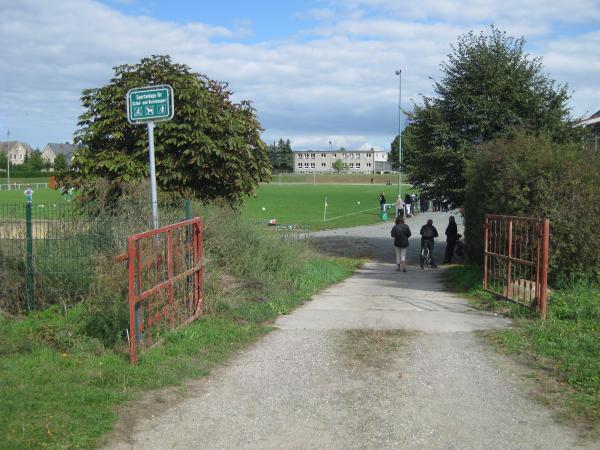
pixel 150 104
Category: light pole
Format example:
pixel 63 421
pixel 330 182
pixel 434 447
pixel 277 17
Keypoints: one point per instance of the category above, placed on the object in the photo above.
pixel 399 73
pixel 8 159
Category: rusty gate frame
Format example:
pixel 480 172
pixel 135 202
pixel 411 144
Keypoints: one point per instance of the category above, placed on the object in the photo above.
pixel 502 254
pixel 187 252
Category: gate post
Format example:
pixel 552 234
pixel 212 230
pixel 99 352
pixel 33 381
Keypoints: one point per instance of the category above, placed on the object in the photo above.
pixel 544 272
pixel 485 252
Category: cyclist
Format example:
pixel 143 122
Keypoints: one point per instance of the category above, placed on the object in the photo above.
pixel 428 234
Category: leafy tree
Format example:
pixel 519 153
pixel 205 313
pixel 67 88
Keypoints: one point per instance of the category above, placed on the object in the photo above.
pixel 34 162
pixel 281 156
pixel 3 160
pixel 526 175
pixel 338 165
pixel 60 162
pixel 489 86
pixel 210 149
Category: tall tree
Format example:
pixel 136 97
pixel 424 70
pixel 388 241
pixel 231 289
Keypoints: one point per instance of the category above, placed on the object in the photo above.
pixel 281 156
pixel 60 162
pixel 210 149
pixel 35 161
pixel 489 86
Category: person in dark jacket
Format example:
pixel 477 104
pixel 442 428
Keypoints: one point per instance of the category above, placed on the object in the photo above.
pixel 400 233
pixel 408 205
pixel 428 234
pixel 382 201
pixel 451 238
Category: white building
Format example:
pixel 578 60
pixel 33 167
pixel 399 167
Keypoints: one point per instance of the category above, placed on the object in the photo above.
pixel 354 161
pixel 51 151
pixel 16 151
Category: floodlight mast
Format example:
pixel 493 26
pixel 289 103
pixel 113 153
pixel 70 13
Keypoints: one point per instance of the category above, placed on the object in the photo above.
pixel 399 74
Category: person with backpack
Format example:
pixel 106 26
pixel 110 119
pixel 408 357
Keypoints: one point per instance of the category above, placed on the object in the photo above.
pixel 428 234
pixel 400 233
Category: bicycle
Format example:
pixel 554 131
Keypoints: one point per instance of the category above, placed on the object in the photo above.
pixel 426 256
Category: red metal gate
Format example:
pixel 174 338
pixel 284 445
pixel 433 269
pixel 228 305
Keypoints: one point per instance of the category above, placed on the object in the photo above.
pixel 165 281
pixel 516 259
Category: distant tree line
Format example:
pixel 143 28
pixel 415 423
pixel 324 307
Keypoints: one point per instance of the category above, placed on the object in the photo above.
pixel 281 156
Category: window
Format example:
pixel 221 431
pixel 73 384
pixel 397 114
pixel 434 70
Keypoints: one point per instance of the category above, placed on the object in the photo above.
pixel 300 165
pixel 21 156
pixel 335 155
pixel 312 165
pixel 299 155
pixel 358 165
pixel 323 165
pixel 306 165
pixel 306 155
pixel 323 155
pixel 351 165
pixel 368 164
pixel 357 156
pixel 312 156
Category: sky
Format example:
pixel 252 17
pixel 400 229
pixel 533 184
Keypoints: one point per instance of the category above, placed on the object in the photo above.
pixel 317 71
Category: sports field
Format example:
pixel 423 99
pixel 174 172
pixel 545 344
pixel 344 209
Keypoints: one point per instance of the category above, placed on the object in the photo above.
pixel 298 204
pixel 289 204
pixel 39 196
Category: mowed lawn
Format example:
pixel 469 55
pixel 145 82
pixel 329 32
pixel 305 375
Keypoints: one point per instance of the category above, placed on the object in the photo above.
pixel 39 196
pixel 303 204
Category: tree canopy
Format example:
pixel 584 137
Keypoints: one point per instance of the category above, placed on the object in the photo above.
pixel 210 149
pixel 281 156
pixel 489 86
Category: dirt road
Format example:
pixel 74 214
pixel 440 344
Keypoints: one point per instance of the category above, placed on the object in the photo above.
pixel 382 360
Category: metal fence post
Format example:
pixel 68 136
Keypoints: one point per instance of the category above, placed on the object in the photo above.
pixel 29 262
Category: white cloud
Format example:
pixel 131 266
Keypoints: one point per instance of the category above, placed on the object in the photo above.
pixel 332 82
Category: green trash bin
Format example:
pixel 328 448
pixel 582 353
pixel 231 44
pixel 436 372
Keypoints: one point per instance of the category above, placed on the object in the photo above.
pixel 384 216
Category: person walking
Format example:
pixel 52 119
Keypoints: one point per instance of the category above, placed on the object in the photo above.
pixel 400 233
pixel 451 238
pixel 408 205
pixel 428 234
pixel 399 207
pixel 382 201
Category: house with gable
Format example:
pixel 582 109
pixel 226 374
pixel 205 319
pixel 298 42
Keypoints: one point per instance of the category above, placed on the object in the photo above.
pixel 16 151
pixel 593 122
pixel 51 151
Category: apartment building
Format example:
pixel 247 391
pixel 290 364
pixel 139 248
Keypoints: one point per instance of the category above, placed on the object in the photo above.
pixel 354 161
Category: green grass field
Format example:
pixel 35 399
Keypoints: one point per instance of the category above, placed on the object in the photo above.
pixel 348 205
pixel 299 204
pixel 39 196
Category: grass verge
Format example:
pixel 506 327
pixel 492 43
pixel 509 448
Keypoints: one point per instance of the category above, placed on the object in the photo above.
pixel 63 371
pixel 564 349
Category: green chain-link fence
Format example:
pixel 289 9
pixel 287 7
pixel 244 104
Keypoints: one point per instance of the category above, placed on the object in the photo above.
pixel 47 251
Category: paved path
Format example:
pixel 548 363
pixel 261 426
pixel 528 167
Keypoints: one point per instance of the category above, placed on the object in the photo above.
pixel 307 386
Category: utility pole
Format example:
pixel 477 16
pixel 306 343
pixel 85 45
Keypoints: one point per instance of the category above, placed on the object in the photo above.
pixel 399 73
pixel 8 159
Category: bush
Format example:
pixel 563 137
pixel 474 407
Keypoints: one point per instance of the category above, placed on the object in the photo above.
pixel 533 176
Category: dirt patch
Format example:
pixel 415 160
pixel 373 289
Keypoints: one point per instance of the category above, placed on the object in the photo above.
pixel 344 246
pixel 374 349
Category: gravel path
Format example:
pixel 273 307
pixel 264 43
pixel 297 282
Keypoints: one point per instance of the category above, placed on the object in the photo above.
pixel 313 384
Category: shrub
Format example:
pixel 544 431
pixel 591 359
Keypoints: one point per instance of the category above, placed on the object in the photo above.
pixel 533 176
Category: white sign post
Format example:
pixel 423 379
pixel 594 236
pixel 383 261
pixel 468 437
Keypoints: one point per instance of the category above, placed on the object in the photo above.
pixel 148 105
